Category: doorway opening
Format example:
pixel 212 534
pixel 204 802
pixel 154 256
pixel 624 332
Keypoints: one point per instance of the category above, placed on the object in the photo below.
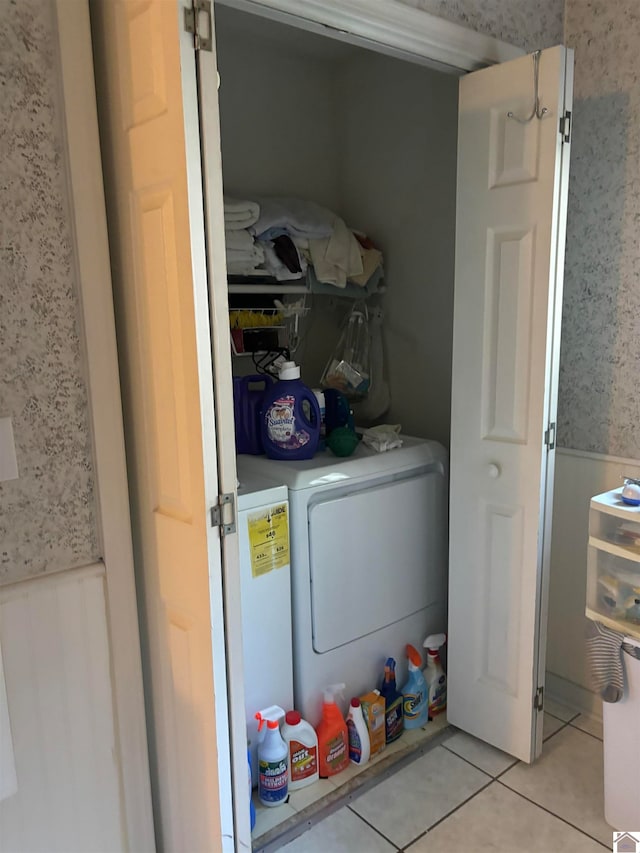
pixel 373 138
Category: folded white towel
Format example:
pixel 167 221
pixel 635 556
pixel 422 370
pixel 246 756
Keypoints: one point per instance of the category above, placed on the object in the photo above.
pixel 252 257
pixel 240 240
pixel 239 213
pixel 293 216
pixel 338 258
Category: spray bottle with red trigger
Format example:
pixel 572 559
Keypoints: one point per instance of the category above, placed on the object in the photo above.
pixel 434 674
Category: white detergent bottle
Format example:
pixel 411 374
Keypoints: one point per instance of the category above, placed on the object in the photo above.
pixel 273 770
pixel 359 743
pixel 302 743
pixel 434 674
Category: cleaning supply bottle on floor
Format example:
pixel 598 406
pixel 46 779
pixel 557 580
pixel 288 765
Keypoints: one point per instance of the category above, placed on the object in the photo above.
pixel 302 743
pixel 290 419
pixel 414 691
pixel 333 738
pixel 393 715
pixel 252 808
pixel 359 744
pixel 434 674
pixel 273 770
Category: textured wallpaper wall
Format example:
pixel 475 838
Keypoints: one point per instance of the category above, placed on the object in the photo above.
pixel 47 516
pixel 599 408
pixel 529 24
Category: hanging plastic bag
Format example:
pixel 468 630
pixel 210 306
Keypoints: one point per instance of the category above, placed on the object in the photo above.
pixel 379 398
pixel 349 369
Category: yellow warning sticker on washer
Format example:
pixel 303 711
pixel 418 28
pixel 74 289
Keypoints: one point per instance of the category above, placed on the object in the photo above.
pixel 269 540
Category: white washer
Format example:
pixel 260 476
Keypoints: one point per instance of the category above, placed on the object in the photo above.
pixel 266 607
pixel 369 562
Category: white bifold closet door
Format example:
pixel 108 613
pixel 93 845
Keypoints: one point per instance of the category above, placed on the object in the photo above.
pixel 181 443
pixel 511 213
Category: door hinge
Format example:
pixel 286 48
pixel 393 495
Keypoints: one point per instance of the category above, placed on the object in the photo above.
pixel 223 514
pixel 565 126
pixel 550 436
pixel 202 37
pixel 538 699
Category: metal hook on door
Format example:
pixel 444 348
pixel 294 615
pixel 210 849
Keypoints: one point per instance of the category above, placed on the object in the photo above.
pixel 537 111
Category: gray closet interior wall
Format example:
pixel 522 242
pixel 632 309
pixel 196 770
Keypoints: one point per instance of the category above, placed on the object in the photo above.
pixel 373 138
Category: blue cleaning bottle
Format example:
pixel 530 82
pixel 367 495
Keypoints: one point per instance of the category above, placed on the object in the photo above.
pixel 394 702
pixel 415 693
pixel 252 808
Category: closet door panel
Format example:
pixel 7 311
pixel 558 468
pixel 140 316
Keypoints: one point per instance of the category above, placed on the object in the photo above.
pixel 145 65
pixel 512 175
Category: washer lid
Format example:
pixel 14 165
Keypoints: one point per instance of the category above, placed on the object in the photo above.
pixel 326 469
pixel 255 490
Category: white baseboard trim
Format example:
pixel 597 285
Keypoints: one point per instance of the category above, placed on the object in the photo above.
pixel 599 457
pixel 573 695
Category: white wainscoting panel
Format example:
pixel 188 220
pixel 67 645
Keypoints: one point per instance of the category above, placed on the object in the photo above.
pixel 579 475
pixel 55 649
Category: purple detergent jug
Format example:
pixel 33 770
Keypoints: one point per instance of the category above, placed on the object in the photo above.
pixel 248 394
pixel 290 421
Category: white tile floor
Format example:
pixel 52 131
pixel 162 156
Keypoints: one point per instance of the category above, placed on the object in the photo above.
pixel 466 796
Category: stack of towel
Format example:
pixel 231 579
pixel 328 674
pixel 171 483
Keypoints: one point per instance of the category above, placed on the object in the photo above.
pixel 243 256
pixel 281 237
pixel 239 214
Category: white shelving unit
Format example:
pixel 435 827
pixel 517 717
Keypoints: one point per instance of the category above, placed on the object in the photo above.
pixel 274 290
pixel 613 569
pixel 613 599
pixel 266 289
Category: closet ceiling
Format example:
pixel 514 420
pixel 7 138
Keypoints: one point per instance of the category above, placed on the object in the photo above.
pixel 295 41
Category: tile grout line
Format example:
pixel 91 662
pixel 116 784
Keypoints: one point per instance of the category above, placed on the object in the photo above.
pixel 578 729
pixel 553 814
pixel 557 731
pixel 537 805
pixel 371 826
pixel 453 811
pixel 566 722
pixel 475 766
pixel 490 779
pixel 500 775
pixel 517 761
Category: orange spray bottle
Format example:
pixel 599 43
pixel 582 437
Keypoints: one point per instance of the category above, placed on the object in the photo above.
pixel 333 737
